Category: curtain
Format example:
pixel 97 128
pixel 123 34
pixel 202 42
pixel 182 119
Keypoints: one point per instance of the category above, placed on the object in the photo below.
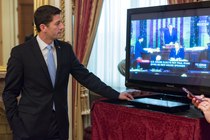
pixel 109 46
pixel 87 14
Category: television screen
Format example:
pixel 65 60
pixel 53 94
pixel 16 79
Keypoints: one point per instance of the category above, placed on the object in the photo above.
pixel 168 47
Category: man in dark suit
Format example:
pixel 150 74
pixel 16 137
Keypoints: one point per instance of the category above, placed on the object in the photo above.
pixel 177 53
pixel 41 113
pixel 170 35
pixel 139 48
pixel 138 51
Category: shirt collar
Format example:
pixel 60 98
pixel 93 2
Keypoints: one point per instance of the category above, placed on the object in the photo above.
pixel 42 44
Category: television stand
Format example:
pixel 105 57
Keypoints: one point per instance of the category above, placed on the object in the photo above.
pixel 160 105
pixel 161 102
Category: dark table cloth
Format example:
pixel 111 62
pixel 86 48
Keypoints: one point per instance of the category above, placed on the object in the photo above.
pixel 122 122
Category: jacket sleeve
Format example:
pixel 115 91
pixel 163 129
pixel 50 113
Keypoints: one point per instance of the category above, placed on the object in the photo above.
pixel 13 83
pixel 89 80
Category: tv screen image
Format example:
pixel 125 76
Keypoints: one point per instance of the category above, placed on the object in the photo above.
pixel 168 47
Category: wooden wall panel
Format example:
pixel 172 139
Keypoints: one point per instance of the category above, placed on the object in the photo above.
pixel 25 19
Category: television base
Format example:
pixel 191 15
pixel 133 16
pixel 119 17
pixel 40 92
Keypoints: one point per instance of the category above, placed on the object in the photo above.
pixel 160 105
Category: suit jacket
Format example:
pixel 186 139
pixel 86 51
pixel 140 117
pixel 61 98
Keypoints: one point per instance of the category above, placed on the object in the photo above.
pixel 28 76
pixel 180 54
pixel 139 50
pixel 170 37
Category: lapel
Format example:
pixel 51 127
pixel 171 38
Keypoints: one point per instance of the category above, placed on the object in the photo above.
pixel 40 58
pixel 58 52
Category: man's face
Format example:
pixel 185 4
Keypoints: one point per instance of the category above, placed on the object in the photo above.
pixel 170 27
pixel 141 39
pixel 176 46
pixel 54 30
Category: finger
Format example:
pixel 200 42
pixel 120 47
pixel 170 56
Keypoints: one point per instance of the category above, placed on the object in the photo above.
pixel 194 101
pixel 130 97
pixel 202 96
pixel 206 99
pixel 126 96
pixel 203 106
pixel 197 100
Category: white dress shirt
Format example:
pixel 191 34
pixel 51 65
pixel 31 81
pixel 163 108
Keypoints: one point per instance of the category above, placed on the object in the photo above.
pixel 44 50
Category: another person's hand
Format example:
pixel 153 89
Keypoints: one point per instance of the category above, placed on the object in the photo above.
pixel 196 100
pixel 125 96
pixel 204 106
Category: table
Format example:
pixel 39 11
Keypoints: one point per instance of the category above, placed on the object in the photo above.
pixel 121 121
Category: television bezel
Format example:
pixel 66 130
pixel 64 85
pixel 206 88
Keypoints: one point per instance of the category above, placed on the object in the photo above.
pixel 166 88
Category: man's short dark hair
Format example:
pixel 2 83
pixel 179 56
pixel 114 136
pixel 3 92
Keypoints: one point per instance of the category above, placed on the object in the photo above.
pixel 44 15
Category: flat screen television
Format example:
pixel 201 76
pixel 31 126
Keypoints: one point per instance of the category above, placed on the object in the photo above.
pixel 168 47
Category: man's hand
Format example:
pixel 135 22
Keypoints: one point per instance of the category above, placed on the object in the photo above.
pixel 125 96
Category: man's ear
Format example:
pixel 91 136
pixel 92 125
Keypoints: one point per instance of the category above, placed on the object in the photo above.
pixel 43 27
